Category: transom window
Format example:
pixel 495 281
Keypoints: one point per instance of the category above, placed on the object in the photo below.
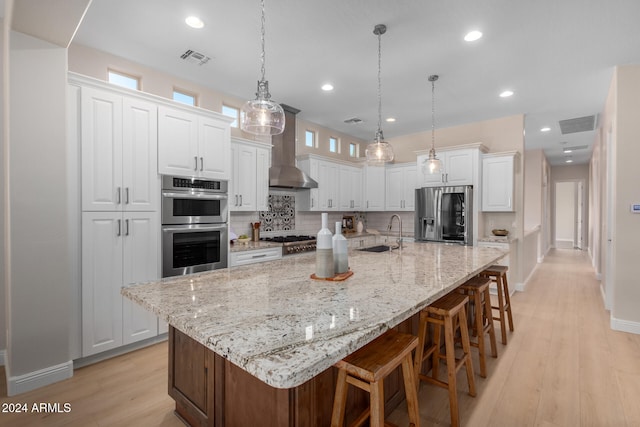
pixel 310 138
pixel 185 98
pixel 353 150
pixel 333 144
pixel 124 80
pixel 232 112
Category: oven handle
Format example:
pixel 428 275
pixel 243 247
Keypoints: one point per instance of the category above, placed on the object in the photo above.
pixel 195 196
pixel 198 227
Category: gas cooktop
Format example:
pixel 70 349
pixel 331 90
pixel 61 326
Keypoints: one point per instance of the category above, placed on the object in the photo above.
pixel 294 244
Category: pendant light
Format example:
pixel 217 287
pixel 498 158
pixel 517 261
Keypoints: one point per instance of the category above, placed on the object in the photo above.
pixel 262 116
pixel 432 165
pixel 379 152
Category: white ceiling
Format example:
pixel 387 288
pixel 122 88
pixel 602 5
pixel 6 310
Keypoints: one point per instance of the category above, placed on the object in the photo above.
pixel 557 56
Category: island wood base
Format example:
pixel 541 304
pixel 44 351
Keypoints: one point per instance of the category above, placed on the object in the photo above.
pixel 211 391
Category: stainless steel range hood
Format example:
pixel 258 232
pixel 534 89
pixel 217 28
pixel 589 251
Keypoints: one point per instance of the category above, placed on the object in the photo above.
pixel 283 172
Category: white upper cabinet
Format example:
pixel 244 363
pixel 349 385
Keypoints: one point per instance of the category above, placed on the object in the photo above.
pixel 119 152
pixel 193 144
pixel 249 185
pixel 400 185
pixel 497 182
pixel 326 173
pixel 374 188
pixel 350 188
pixel 458 168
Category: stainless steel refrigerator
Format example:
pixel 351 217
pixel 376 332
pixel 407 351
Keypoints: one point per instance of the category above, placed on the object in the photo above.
pixel 443 214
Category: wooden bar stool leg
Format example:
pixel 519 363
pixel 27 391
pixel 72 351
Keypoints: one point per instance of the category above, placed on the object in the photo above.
pixel 410 391
pixel 451 368
pixel 479 328
pixel 503 329
pixel 422 339
pixel 467 356
pixel 507 298
pixel 377 404
pixel 489 318
pixel 340 400
pixel 435 357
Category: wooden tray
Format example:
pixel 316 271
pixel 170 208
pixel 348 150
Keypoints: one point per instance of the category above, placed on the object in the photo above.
pixel 337 278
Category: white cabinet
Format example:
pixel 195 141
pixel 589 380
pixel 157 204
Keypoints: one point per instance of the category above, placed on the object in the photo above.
pixel 361 241
pixel 497 183
pixel 119 152
pixel 350 188
pixel 326 173
pixel 374 188
pixel 249 185
pixel 254 256
pixel 458 168
pixel 193 143
pixel 117 249
pixel 400 185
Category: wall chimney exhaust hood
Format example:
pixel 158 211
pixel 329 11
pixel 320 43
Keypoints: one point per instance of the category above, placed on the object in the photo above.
pixel 283 172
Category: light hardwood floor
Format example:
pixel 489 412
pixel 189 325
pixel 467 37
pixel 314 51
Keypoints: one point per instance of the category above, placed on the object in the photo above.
pixel 563 366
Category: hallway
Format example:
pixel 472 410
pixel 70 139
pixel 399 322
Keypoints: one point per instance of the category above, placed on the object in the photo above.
pixel 563 366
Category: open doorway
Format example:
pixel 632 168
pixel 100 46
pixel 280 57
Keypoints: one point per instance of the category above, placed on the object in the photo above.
pixel 569 214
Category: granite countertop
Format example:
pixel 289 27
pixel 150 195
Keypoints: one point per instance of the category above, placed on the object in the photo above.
pixel 281 326
pixel 498 239
pixel 250 246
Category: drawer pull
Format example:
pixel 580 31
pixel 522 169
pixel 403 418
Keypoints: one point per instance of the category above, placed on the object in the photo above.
pixel 259 256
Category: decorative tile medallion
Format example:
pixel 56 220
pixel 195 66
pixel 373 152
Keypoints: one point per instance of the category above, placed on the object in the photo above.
pixel 281 214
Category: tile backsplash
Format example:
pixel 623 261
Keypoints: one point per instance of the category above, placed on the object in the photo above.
pixel 281 215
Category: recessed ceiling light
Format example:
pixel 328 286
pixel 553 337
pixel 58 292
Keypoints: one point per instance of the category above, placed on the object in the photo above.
pixel 390 119
pixel 506 94
pixel 327 87
pixel 194 22
pixel 545 129
pixel 567 150
pixel 472 36
pixel 568 161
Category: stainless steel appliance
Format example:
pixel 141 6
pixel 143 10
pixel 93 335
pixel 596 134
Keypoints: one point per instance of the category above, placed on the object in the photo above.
pixel 443 214
pixel 294 244
pixel 194 225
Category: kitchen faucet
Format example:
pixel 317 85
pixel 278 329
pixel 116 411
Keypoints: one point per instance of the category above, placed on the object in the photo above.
pixel 399 240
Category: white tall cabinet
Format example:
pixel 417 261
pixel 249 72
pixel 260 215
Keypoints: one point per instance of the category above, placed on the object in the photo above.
pixel 249 185
pixel 497 182
pixel 120 199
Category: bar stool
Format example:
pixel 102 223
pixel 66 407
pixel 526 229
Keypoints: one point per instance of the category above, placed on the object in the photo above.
pixel 447 312
pixel 367 368
pixel 477 289
pixel 498 273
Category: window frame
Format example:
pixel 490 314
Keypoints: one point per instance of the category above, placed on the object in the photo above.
pixel 125 76
pixel 236 123
pixel 187 94
pixel 314 138
pixel 355 147
pixel 337 144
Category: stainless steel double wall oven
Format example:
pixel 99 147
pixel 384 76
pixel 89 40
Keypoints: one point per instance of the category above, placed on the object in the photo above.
pixel 194 225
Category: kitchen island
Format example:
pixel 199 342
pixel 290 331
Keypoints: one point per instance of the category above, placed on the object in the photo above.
pixel 255 345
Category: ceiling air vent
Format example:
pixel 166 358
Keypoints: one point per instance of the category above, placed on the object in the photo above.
pixel 580 124
pixel 353 120
pixel 195 57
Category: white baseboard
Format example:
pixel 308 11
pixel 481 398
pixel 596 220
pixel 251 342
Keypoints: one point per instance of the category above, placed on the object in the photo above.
pixel 599 277
pixel 3 355
pixel 625 326
pixel 604 296
pixel 37 379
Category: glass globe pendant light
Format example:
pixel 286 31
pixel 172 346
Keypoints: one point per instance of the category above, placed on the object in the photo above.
pixel 379 151
pixel 262 116
pixel 432 165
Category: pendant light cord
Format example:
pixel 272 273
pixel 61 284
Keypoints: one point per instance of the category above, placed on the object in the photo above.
pixel 433 115
pixel 379 136
pixel 262 55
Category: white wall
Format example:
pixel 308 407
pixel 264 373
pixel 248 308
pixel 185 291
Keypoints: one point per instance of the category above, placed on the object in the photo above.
pixel 39 287
pixel 4 52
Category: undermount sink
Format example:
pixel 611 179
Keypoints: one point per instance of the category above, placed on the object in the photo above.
pixel 379 248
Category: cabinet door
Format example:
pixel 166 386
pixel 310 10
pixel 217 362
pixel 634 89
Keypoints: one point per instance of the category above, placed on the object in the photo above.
pixel 409 188
pixel 345 188
pixel 102 245
pixel 101 130
pixel 328 194
pixel 214 148
pixel 245 185
pixel 430 180
pixel 356 188
pixel 141 182
pixel 141 253
pixel 394 189
pixel 374 185
pixel 497 184
pixel 459 168
pixel 263 161
pixel 177 142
